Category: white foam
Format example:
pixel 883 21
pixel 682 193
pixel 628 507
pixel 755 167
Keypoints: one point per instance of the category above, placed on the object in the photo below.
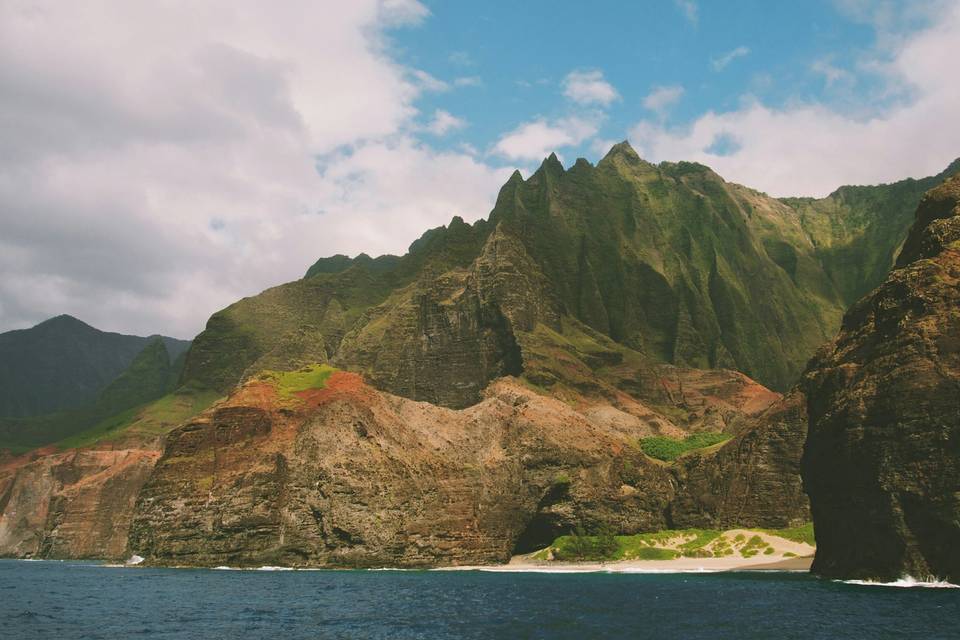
pixel 905 582
pixel 134 560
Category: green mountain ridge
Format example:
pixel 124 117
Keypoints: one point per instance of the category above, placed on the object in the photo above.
pixel 64 363
pixel 150 375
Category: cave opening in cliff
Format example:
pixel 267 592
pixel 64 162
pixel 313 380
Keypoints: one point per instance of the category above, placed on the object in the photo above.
pixel 546 525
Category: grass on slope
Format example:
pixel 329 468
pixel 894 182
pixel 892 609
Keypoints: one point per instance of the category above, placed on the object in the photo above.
pixel 795 534
pixel 288 383
pixel 669 544
pixel 642 546
pixel 149 420
pixel 669 449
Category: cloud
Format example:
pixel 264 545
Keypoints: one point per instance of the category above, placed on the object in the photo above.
pixel 427 82
pixel 689 9
pixel 811 148
pixel 832 75
pixel 662 98
pixel 589 88
pixel 157 166
pixel 461 59
pixel 719 64
pixel 444 122
pixel 468 81
pixel 535 140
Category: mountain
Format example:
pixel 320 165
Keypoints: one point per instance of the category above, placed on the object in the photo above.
pixel 63 363
pixel 857 231
pixel 149 376
pixel 501 384
pixel 882 458
pixel 667 260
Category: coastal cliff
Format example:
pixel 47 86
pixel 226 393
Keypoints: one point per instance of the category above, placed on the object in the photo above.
pixel 882 460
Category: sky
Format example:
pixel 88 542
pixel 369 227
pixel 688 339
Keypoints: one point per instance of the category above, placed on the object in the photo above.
pixel 162 159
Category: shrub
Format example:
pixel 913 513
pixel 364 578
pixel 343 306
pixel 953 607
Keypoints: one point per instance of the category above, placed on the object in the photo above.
pixel 669 449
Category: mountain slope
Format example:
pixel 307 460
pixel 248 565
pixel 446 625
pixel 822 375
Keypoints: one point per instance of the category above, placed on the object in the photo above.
pixel 151 375
pixel 857 230
pixel 669 261
pixel 64 363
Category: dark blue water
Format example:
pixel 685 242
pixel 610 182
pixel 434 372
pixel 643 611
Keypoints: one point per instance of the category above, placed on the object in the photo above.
pixel 76 600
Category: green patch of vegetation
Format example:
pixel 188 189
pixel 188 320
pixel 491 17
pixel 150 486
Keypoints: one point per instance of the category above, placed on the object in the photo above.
pixel 753 547
pixel 669 449
pixel 655 553
pixel 152 419
pixel 802 534
pixel 769 551
pixel 579 546
pixel 288 383
pixel 789 554
pixel 642 546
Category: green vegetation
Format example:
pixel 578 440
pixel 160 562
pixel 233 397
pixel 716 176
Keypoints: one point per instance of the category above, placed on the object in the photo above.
pixel 579 546
pixel 64 364
pixel 642 546
pixel 150 420
pixel 663 545
pixel 695 548
pixel 796 534
pixel 669 449
pixel 753 546
pixel 654 553
pixel 289 383
pixel 150 376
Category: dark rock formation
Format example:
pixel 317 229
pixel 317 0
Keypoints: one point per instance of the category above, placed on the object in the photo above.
pixel 752 480
pixel 882 461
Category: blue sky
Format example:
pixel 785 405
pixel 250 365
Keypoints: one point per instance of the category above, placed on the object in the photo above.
pixel 168 158
pixel 511 60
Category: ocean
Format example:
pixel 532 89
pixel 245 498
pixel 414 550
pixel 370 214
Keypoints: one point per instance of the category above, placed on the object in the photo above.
pixel 67 600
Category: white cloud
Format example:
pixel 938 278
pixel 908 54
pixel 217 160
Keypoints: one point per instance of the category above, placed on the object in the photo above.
pixel 662 98
pixel 159 162
pixel 427 82
pixel 689 9
pixel 468 81
pixel 589 88
pixel 832 75
pixel 719 64
pixel 444 122
pixel 537 139
pixel 810 149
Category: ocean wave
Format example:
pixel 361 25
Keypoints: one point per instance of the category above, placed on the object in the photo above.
pixel 905 582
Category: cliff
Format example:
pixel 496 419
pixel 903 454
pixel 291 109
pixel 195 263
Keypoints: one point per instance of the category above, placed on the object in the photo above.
pixel 882 459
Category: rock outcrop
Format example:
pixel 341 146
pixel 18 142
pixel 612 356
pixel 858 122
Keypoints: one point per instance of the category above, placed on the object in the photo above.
pixel 75 504
pixel 751 481
pixel 349 476
pixel 882 460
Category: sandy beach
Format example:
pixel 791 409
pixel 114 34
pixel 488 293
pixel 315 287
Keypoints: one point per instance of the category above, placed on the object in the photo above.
pixel 789 556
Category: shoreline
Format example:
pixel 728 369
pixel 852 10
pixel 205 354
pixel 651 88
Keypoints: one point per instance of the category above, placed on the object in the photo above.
pixel 679 565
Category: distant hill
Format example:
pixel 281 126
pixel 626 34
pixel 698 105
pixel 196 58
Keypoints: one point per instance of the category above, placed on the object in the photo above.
pixel 64 363
pixel 151 375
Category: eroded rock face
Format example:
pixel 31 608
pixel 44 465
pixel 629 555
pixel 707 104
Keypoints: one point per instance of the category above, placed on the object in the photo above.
pixel 882 461
pixel 348 476
pixel 76 504
pixel 752 480
pixel 443 339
